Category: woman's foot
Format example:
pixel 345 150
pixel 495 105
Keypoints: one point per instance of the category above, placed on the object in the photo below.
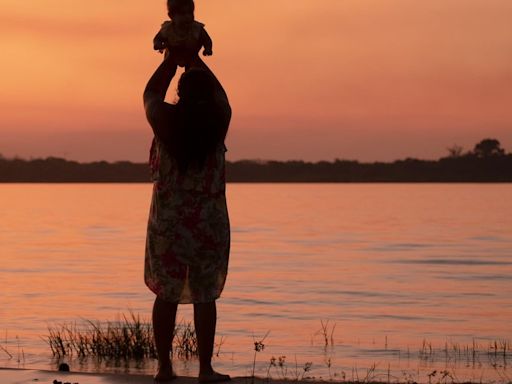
pixel 164 379
pixel 212 377
pixel 164 375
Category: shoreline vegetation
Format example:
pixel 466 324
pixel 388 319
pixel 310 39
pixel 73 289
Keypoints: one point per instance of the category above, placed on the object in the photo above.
pixel 487 162
pixel 129 338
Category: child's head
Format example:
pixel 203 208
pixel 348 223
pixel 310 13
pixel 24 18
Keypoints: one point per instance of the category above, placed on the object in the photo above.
pixel 180 8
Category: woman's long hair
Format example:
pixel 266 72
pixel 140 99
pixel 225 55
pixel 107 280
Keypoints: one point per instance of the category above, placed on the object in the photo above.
pixel 199 131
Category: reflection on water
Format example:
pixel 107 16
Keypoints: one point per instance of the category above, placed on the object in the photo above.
pixel 398 268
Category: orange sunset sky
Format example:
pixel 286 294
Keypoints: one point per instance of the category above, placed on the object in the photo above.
pixel 307 79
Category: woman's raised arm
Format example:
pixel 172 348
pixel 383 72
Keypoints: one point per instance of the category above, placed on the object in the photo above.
pixel 221 96
pixel 159 82
pixel 158 111
pixel 220 92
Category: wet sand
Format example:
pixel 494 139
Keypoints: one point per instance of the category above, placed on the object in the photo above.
pixel 27 376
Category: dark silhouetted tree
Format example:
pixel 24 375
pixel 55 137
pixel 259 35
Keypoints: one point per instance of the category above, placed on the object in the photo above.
pixel 455 151
pixel 488 148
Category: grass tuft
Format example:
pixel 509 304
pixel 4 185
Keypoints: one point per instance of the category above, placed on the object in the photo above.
pixel 129 338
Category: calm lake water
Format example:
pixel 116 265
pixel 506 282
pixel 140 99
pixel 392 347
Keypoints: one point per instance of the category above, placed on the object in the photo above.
pixel 394 268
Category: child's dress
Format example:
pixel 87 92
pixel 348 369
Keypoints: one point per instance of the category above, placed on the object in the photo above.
pixel 194 36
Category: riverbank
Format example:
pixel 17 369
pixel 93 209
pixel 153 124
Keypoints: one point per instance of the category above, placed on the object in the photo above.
pixel 472 167
pixel 26 376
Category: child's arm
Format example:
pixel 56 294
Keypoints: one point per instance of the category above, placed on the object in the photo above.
pixel 159 42
pixel 206 42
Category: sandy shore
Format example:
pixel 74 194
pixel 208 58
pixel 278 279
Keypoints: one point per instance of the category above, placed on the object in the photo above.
pixel 28 376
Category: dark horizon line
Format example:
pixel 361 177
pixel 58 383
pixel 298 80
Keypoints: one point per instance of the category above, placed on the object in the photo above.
pixel 493 146
pixel 488 162
pixel 243 160
pixel 466 168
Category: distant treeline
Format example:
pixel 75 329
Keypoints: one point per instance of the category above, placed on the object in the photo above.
pixel 487 162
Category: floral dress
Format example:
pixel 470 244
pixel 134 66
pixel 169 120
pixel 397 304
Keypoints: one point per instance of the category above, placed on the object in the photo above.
pixel 188 235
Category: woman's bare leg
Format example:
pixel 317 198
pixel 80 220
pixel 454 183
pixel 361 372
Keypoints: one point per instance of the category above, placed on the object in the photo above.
pixel 164 319
pixel 205 321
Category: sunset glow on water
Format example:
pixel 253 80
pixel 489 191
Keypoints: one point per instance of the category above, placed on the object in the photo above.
pixel 390 265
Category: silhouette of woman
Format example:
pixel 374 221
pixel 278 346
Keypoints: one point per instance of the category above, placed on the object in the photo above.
pixel 188 235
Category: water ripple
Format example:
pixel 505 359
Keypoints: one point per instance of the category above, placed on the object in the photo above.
pixel 437 261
